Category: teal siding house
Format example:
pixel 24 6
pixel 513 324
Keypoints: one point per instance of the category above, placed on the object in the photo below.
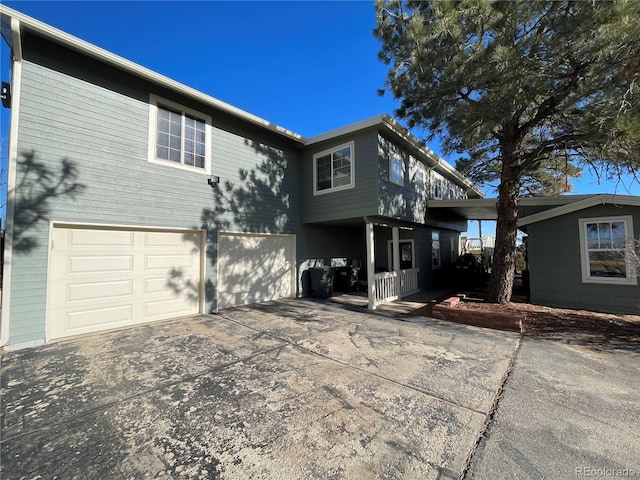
pixel 133 198
pixel 583 251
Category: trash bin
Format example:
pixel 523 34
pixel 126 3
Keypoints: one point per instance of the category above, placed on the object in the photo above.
pixel 321 281
pixel 345 279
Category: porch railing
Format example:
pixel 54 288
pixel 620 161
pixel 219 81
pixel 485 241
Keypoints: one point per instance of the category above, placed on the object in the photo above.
pixel 390 286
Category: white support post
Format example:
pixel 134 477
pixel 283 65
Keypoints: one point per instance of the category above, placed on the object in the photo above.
pixel 395 246
pixel 371 266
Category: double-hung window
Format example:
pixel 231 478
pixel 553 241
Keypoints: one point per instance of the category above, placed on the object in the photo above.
pixel 334 169
pixel 606 246
pixel 179 136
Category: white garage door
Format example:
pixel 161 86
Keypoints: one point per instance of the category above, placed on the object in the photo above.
pixel 110 278
pixel 255 268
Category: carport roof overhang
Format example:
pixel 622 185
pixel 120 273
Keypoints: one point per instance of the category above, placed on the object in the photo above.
pixel 547 207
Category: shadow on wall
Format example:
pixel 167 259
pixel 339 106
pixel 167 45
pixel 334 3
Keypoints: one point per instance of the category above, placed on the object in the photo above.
pixel 257 202
pixel 409 200
pixel 38 185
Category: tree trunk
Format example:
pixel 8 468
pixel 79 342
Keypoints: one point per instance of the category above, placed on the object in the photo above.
pixel 504 257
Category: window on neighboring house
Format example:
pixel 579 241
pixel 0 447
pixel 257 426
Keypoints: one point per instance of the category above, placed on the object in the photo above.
pixel 396 170
pixel 333 169
pixel 435 249
pixel 606 246
pixel 179 136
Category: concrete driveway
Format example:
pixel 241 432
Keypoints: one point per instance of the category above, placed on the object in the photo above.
pixel 297 389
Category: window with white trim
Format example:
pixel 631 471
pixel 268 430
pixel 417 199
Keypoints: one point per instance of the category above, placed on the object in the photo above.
pixel 435 249
pixel 179 136
pixel 334 169
pixel 606 245
pixel 396 170
pixel 437 187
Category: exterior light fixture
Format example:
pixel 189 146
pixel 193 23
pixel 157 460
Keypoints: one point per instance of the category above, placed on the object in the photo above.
pixel 213 181
pixel 6 95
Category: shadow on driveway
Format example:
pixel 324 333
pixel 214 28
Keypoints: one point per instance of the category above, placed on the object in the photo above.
pixel 285 390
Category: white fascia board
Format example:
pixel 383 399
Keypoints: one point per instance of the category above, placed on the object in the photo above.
pixel 346 130
pixel 437 163
pixel 86 48
pixel 385 121
pixel 591 201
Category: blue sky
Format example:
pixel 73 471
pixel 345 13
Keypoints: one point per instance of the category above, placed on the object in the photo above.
pixel 307 66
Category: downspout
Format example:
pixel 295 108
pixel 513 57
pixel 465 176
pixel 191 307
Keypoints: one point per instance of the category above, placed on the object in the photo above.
pixel 16 83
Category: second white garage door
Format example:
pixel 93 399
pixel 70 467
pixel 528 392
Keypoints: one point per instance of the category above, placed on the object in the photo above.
pixel 102 278
pixel 255 268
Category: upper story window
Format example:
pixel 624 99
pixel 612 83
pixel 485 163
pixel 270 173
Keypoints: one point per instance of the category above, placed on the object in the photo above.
pixel 396 170
pixel 606 246
pixel 179 136
pixel 438 188
pixel 334 169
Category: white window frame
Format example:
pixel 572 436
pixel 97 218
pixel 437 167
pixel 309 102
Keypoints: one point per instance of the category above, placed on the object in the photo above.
pixel 631 274
pixel 435 239
pixel 154 100
pixel 392 160
pixel 437 186
pixel 331 150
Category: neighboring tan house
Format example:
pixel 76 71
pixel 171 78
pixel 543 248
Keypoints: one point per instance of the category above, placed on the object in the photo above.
pixel 582 249
pixel 133 198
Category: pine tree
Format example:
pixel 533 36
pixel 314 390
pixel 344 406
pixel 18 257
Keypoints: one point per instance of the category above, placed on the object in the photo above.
pixel 529 91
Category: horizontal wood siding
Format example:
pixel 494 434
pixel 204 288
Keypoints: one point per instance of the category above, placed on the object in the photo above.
pixel 101 129
pixel 555 265
pixel 351 203
pixel 403 202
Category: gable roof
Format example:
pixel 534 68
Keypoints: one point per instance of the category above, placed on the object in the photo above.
pixel 486 208
pixel 592 201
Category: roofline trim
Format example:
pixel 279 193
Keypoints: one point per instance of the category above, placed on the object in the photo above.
pixel 84 47
pixel 601 199
pixel 385 121
pixel 52 33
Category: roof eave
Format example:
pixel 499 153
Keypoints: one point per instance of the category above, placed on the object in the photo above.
pixel 47 31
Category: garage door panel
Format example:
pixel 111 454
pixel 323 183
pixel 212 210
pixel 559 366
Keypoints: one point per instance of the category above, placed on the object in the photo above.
pixel 116 281
pixel 161 308
pixel 85 237
pixel 99 291
pixel 86 320
pixel 164 262
pixel 97 265
pixel 255 268
pixel 154 239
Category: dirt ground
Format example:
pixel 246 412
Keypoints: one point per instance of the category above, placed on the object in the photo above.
pixel 542 320
pixel 548 320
